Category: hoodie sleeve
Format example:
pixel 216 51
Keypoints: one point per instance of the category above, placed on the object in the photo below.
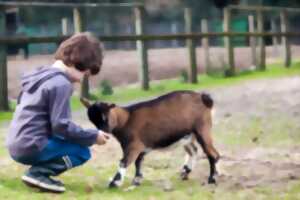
pixel 60 117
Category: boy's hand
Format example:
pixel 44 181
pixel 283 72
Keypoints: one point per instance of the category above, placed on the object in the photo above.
pixel 102 138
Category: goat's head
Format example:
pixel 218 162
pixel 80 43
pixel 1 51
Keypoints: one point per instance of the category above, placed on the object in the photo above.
pixel 105 116
pixel 98 113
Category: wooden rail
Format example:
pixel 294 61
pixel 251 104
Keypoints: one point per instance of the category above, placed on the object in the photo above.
pixel 262 8
pixel 145 37
pixel 255 34
pixel 69 5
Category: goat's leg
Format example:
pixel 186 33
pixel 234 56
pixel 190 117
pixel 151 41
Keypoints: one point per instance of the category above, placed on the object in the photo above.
pixel 138 178
pixel 191 152
pixel 203 136
pixel 130 155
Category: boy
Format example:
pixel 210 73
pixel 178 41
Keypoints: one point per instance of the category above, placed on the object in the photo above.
pixel 42 134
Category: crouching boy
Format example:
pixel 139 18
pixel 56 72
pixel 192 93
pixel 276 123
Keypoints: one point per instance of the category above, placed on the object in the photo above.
pixel 42 134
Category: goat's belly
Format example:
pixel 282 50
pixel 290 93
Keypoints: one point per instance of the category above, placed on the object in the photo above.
pixel 168 140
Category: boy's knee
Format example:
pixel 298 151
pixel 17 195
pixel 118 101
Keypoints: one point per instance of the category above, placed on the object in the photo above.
pixel 85 154
pixel 82 155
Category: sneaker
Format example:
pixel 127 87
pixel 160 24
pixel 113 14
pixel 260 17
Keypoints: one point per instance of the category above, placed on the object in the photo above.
pixel 57 181
pixel 43 182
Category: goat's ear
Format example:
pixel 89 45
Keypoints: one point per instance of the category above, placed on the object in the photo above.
pixel 85 102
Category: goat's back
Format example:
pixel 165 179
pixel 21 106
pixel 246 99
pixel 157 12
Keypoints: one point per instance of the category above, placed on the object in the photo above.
pixel 166 119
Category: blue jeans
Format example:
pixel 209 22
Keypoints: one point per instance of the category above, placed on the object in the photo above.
pixel 57 148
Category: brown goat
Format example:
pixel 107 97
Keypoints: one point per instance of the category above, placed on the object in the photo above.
pixel 156 124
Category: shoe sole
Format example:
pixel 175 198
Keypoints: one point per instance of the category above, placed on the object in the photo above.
pixel 46 187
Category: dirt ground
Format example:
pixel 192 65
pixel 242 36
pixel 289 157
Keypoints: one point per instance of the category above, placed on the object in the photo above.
pixel 121 67
pixel 260 165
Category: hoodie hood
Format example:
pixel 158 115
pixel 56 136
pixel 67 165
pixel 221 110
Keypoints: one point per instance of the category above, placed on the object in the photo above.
pixel 33 80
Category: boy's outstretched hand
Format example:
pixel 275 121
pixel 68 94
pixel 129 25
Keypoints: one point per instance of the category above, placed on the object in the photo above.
pixel 102 138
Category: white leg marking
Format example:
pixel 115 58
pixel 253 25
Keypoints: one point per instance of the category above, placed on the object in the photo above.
pixel 189 161
pixel 122 172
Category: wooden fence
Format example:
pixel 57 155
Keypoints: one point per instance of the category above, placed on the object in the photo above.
pixel 258 57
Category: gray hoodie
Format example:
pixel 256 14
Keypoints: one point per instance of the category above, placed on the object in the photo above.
pixel 44 111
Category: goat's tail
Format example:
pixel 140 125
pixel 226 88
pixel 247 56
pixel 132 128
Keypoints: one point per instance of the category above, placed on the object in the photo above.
pixel 207 100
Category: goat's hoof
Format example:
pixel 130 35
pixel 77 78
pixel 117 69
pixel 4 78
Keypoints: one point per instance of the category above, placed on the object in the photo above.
pixel 212 180
pixel 137 180
pixel 184 176
pixel 216 173
pixel 112 185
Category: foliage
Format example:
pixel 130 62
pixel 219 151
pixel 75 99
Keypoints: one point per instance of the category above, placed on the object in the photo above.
pixel 106 88
pixel 184 77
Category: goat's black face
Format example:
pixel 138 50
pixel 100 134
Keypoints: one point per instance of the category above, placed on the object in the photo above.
pixel 98 114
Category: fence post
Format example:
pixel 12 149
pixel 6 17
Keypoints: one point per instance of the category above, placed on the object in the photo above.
pixel 174 30
pixel 78 27
pixel 3 66
pixel 285 40
pixel 252 40
pixel 205 45
pixel 274 38
pixel 261 43
pixel 141 48
pixel 64 26
pixel 230 68
pixel 191 46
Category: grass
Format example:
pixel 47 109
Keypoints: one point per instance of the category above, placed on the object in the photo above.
pixel 87 182
pixel 5 116
pixel 270 131
pixel 133 92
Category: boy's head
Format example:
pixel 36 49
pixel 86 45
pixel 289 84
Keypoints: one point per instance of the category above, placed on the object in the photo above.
pixel 82 51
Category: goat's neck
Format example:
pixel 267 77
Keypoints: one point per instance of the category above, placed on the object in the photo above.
pixel 118 117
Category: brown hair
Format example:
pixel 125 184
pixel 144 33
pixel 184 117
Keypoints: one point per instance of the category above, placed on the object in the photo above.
pixel 83 51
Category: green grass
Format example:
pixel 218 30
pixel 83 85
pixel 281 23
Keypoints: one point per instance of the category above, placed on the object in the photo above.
pixel 89 182
pixel 269 131
pixel 5 116
pixel 133 92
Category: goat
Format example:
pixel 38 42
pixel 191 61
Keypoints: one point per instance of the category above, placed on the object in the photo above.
pixel 156 124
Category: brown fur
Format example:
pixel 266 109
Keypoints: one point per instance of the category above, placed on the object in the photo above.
pixel 160 122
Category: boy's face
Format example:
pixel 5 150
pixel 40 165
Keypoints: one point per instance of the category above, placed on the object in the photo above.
pixel 76 75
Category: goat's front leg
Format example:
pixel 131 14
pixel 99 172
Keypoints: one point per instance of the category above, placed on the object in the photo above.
pixel 138 178
pixel 130 155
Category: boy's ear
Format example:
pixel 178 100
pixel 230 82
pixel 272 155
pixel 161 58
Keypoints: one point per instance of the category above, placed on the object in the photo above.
pixel 85 102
